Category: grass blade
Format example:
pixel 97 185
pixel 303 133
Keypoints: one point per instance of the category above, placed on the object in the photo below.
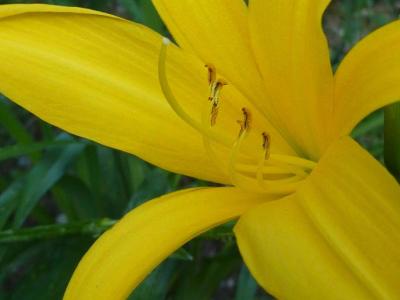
pixel 42 178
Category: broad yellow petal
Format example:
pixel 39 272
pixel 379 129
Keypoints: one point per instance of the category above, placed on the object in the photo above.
pixel 293 56
pixel 216 31
pixel 95 75
pixel 368 78
pixel 337 238
pixel 124 255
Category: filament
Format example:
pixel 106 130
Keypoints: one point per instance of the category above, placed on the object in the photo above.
pixel 280 186
pixel 293 160
pixel 207 142
pixel 233 158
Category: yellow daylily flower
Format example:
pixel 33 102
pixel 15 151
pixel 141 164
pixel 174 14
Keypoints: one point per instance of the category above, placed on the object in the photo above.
pixel 319 217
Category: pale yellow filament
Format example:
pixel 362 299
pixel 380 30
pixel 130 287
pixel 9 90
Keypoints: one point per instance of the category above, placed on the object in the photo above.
pixel 207 142
pixel 284 186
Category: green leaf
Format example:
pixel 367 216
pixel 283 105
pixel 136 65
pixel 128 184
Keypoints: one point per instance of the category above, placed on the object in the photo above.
pixel 155 184
pixel 182 254
pixel 371 123
pixel 246 286
pixel 75 199
pixel 156 285
pixel 137 171
pixel 151 17
pixel 112 191
pixel 44 273
pixel 24 149
pixel 133 9
pixel 8 200
pixel 42 177
pixel 392 139
pixel 222 232
pixel 14 127
pixel 89 170
pixel 91 228
pixel 203 276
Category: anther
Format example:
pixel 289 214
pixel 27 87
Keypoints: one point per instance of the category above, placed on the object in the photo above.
pixel 215 90
pixel 212 73
pixel 245 123
pixel 266 144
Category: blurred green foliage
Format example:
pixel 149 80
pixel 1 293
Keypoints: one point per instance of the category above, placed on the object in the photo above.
pixel 59 192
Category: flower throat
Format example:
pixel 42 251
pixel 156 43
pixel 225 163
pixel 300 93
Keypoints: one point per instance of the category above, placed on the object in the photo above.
pixel 267 172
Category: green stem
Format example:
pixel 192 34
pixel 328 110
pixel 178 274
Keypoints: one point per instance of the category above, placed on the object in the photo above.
pixel 92 228
pixel 392 139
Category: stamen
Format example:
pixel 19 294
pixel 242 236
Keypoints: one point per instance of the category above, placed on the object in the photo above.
pixel 276 184
pixel 212 73
pixel 269 169
pixel 293 160
pixel 215 90
pixel 244 127
pixel 207 142
pixel 233 159
pixel 245 123
pixel 276 163
pixel 169 96
pixel 266 144
pixel 279 186
pixel 285 185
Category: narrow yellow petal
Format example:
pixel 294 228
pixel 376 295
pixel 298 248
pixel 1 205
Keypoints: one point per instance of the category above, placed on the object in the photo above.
pixel 368 78
pixel 122 257
pixel 216 31
pixel 95 75
pixel 337 238
pixel 293 56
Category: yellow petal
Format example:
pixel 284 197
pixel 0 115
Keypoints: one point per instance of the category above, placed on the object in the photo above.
pixel 338 237
pixel 216 31
pixel 368 78
pixel 122 257
pixel 293 56
pixel 95 75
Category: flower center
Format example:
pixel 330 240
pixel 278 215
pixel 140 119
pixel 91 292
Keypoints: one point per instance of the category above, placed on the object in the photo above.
pixel 263 173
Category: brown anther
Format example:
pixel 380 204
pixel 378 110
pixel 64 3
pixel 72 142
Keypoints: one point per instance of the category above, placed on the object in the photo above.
pixel 215 90
pixel 245 123
pixel 212 73
pixel 266 144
